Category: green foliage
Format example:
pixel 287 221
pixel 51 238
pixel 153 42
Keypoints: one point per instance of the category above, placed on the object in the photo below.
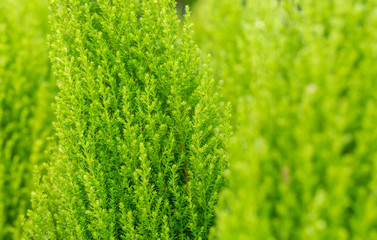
pixel 220 30
pixel 26 93
pixel 141 137
pixel 303 165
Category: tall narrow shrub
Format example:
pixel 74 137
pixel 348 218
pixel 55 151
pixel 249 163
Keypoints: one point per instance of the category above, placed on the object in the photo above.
pixel 303 165
pixel 141 137
pixel 26 93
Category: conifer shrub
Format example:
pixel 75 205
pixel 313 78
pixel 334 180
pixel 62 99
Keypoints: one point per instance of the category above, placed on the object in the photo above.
pixel 141 135
pixel 303 164
pixel 26 93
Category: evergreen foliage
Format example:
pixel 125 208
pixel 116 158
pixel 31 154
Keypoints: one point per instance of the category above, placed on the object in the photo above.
pixel 141 136
pixel 26 93
pixel 220 30
pixel 303 165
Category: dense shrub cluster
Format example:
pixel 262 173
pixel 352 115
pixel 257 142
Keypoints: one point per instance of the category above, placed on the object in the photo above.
pixel 303 165
pixel 141 136
pixel 26 93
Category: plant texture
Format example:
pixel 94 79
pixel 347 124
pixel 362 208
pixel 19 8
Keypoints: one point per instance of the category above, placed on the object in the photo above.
pixel 303 165
pixel 141 136
pixel 26 92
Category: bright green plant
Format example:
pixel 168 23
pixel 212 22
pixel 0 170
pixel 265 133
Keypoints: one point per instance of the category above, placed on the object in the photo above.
pixel 304 163
pixel 141 137
pixel 26 93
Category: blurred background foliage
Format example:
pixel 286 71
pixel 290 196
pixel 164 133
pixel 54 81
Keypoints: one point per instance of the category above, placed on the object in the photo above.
pixel 26 93
pixel 302 82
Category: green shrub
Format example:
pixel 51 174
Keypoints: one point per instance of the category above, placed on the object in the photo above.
pixel 141 137
pixel 303 165
pixel 26 92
